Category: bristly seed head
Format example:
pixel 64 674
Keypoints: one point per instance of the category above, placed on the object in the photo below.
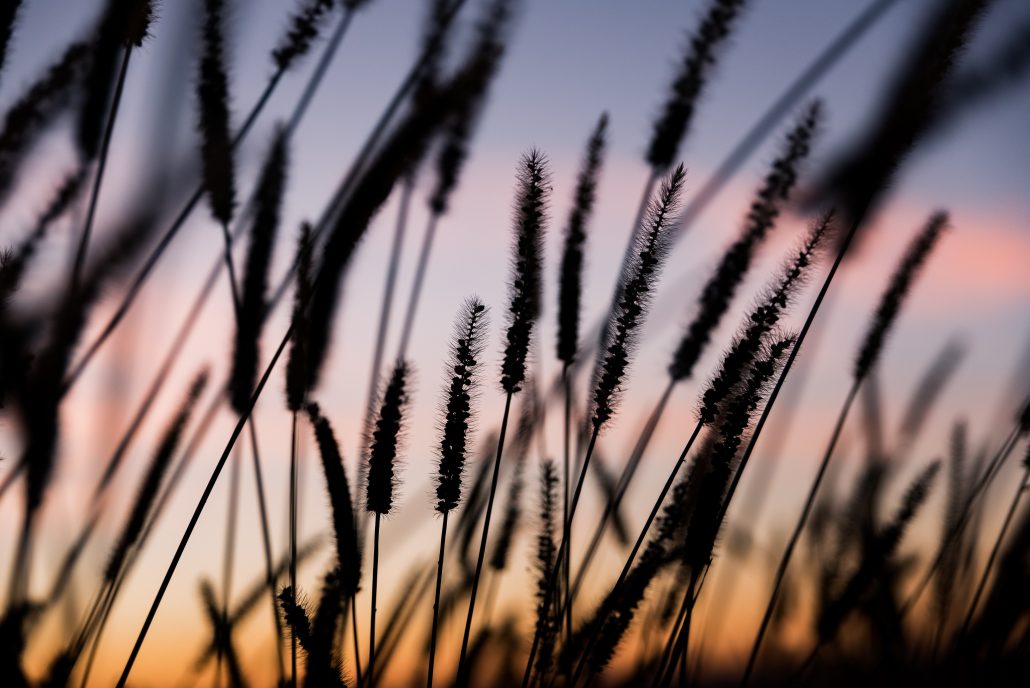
pixel 718 292
pixel 762 320
pixel 678 111
pixel 531 199
pixel 458 412
pixel 304 28
pixel 213 100
pixel 892 300
pixel 652 247
pixel 386 438
pixel 348 554
pixel 570 283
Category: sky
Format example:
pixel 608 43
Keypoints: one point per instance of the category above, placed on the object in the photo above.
pixel 569 61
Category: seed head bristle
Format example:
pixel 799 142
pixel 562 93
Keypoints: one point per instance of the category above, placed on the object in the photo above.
pixel 458 417
pixel 383 453
pixel 213 102
pixel 530 222
pixel 718 292
pixel 892 300
pixel 570 281
pixel 698 61
pixel 641 276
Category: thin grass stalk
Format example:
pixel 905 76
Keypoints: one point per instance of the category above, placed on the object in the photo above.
pixel 177 473
pixel 202 502
pixel 294 460
pixel 227 553
pixel 415 295
pixel 667 649
pixel 629 471
pixel 132 539
pixel 812 312
pixel 868 353
pixel 372 619
pixel 401 615
pixel 461 677
pixel 638 284
pixel 436 600
pixel 266 541
pixel 354 633
pixel 795 536
pixel 639 541
pixel 380 483
pixel 690 599
pixel 752 507
pixel 566 529
pixel 386 304
pixel 97 617
pixel 80 252
pixel 680 651
pixel 311 87
pixel 230 539
pixel 995 549
pixel 141 277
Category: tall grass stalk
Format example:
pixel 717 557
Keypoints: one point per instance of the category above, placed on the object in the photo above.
pixel 569 297
pixel 868 354
pixel 458 417
pixel 381 481
pixel 530 220
pixel 639 281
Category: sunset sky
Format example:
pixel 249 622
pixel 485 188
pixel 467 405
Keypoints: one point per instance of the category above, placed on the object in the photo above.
pixel 569 61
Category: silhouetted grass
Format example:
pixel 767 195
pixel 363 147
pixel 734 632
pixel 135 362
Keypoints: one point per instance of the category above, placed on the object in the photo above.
pixel 848 607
